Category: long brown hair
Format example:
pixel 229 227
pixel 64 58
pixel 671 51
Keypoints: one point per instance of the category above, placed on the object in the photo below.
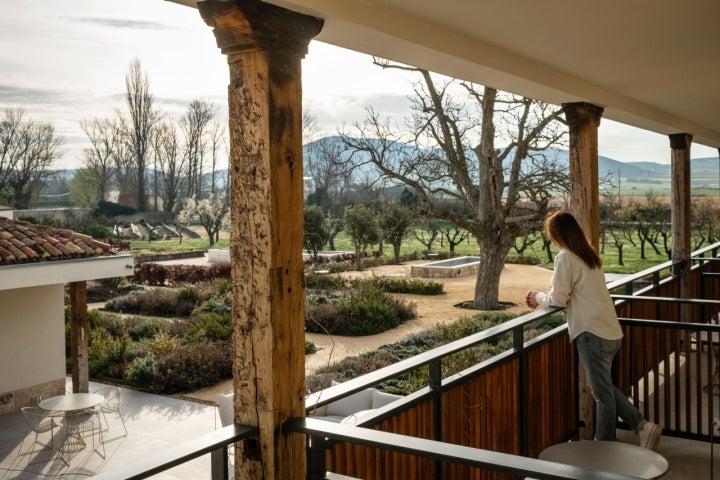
pixel 565 232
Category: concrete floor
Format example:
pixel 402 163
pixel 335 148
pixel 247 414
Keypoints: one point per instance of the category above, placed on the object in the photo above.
pixel 154 423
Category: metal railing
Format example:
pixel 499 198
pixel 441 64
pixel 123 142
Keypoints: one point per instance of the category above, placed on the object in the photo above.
pixel 323 436
pixel 214 443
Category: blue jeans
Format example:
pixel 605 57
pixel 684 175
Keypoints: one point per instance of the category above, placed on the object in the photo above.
pixel 596 355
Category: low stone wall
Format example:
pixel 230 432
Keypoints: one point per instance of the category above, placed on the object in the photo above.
pixel 454 267
pixel 169 256
pixel 219 255
pixel 28 397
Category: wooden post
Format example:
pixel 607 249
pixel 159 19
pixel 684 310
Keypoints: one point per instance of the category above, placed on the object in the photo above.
pixel 583 121
pixel 680 213
pixel 265 45
pixel 78 337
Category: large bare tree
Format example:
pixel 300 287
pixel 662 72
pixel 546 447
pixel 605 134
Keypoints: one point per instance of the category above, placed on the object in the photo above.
pixel 28 149
pixel 138 127
pixel 484 149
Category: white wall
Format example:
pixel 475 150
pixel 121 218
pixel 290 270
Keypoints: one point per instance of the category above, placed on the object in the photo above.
pixel 32 336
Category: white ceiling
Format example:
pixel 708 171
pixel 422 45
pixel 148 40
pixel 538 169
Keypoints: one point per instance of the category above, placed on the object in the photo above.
pixel 653 64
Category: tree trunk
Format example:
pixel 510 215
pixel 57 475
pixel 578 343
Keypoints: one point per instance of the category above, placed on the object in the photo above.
pixel 396 253
pixel 493 253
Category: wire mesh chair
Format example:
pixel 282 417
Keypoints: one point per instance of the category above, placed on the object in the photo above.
pixel 76 425
pixel 38 421
pixel 111 404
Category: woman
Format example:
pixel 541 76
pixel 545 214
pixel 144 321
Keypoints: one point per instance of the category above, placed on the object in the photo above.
pixel 578 283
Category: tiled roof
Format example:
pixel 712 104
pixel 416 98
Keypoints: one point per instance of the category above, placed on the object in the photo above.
pixel 23 242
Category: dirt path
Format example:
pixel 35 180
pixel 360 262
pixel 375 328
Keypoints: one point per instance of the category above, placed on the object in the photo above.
pixel 515 281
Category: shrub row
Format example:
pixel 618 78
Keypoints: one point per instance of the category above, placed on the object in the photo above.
pixel 162 302
pixel 160 355
pixel 366 310
pixel 155 274
pixel 415 286
pixel 356 366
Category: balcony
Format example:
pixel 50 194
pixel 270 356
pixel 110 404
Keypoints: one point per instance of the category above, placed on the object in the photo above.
pixel 492 420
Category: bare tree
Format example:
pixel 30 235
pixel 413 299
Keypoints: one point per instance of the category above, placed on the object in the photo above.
pixel 98 159
pixel 169 165
pixel 457 130
pixel 10 145
pixel 218 140
pixel 138 127
pixel 28 149
pixel 194 124
pixel 125 174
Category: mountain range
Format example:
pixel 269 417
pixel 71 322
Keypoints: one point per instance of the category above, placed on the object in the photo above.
pixel 607 167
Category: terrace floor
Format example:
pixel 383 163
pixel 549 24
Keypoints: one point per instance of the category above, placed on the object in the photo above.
pixel 156 422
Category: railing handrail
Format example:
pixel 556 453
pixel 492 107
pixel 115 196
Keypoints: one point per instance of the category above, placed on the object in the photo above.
pixel 334 393
pixel 376 377
pixel 440 451
pixel 215 443
pixel 645 298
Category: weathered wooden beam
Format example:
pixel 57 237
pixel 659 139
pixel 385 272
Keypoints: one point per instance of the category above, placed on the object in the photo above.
pixel 265 45
pixel 583 120
pixel 680 213
pixel 78 336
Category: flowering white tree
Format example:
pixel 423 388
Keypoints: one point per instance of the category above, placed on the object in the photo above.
pixel 213 213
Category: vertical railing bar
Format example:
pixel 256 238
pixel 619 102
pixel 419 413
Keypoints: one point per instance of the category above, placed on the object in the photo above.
pixel 315 448
pixel 219 464
pixel 519 348
pixel 435 384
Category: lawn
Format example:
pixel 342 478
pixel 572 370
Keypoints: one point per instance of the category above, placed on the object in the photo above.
pixel 631 254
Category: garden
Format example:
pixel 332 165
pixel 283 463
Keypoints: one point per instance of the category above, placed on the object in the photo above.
pixel 168 328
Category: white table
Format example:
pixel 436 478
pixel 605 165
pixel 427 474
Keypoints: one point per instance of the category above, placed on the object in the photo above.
pixel 615 457
pixel 72 402
pixel 73 407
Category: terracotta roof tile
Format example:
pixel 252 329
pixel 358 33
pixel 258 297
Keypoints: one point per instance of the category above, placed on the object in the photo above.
pixel 23 242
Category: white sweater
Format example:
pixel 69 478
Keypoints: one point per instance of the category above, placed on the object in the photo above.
pixel 583 292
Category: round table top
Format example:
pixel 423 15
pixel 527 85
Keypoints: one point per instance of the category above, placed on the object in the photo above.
pixel 615 457
pixel 72 401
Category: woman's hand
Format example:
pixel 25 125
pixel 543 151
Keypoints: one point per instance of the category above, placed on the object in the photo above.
pixel 530 299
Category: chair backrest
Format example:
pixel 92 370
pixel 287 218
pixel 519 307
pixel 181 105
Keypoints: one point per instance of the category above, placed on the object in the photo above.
pixel 226 409
pixel 34 417
pixel 112 398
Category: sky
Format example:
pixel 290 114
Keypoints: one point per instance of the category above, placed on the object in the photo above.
pixel 66 61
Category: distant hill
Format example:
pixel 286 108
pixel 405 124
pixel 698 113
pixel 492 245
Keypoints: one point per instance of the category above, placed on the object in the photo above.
pixel 607 167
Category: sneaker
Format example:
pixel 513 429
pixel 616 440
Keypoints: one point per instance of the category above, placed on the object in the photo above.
pixel 650 435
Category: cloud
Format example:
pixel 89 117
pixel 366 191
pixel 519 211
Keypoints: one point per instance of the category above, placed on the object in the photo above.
pixel 123 23
pixel 13 96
